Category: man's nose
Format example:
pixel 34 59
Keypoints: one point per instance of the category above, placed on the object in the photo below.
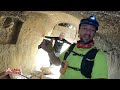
pixel 87 31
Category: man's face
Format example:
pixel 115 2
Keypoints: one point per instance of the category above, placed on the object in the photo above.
pixel 86 33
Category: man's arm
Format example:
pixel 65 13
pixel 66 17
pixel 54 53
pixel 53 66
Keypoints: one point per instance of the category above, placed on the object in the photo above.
pixel 100 69
pixel 47 46
pixel 55 60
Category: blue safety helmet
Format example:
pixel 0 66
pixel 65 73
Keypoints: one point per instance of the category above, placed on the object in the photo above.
pixel 91 21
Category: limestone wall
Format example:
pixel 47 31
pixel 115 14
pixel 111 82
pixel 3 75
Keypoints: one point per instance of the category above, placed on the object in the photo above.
pixel 37 24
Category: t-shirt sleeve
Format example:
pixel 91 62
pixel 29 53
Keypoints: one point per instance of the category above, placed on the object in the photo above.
pixel 100 69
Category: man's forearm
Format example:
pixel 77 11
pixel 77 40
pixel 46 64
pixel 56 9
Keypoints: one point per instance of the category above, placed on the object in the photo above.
pixel 55 60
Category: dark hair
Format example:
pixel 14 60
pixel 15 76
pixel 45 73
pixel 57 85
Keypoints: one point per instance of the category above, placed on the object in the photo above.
pixel 91 21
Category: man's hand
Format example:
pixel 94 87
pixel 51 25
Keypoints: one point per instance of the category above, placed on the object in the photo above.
pixel 47 46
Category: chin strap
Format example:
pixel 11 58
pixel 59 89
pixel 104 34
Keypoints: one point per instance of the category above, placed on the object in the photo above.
pixel 89 45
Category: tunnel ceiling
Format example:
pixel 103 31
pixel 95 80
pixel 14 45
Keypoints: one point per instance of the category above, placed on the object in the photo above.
pixel 109 22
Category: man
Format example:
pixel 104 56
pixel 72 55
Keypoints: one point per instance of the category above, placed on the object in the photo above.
pixel 87 31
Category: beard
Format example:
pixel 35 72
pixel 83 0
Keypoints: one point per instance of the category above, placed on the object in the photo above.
pixel 86 38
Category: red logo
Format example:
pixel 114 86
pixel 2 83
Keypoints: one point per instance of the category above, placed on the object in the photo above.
pixel 13 71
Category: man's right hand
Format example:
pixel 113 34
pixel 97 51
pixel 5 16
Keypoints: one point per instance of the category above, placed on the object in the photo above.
pixel 47 45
